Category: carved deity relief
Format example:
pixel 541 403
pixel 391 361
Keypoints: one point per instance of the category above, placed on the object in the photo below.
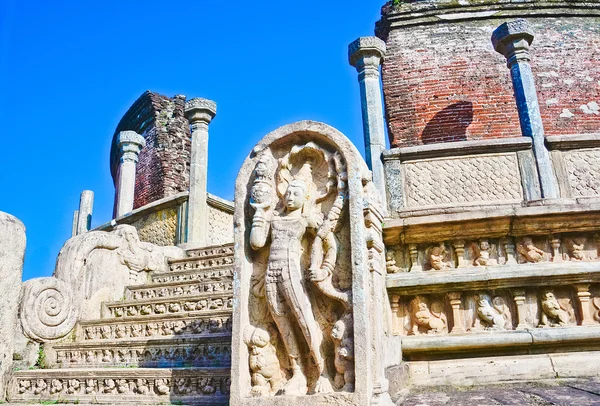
pixel 427 319
pixel 300 288
pixel 528 252
pixel 491 314
pixel 555 312
pixel 438 258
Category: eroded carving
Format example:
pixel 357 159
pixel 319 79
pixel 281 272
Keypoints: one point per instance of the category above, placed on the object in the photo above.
pixel 554 313
pixel 528 252
pixel 492 314
pixel 437 258
pixel 425 320
pixel 264 364
pixel 342 335
pixel 482 254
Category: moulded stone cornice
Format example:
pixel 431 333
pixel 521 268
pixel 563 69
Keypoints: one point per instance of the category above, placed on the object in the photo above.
pixel 493 277
pixel 574 141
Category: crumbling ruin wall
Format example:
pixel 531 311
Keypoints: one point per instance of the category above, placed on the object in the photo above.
pixel 163 167
pixel 444 82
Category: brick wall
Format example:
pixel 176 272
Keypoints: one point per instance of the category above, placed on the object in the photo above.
pixel 444 82
pixel 163 167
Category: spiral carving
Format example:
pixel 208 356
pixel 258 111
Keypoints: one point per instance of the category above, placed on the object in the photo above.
pixel 48 310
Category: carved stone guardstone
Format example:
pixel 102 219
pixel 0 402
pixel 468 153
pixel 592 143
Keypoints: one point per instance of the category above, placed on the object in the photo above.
pixel 12 252
pixel 310 306
pixel 92 268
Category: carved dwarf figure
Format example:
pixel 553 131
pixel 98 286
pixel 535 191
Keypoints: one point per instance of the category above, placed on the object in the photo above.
pixel 264 364
pixel 422 320
pixel 344 353
pixel 492 315
pixel 436 256
pixel 553 313
pixel 482 252
pixel 390 262
pixel 576 248
pixel 529 252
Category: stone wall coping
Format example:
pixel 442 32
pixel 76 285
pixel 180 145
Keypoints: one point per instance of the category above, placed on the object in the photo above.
pixel 431 12
pixel 530 337
pixel 493 277
pixel 573 141
pixel 459 148
pixel 539 218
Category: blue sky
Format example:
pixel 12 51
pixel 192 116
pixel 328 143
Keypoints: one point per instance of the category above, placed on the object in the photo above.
pixel 69 70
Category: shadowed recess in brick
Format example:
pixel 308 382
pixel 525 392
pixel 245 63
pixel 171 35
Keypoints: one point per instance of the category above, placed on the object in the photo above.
pixel 449 124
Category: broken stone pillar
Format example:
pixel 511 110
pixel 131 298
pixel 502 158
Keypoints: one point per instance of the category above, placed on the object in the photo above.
pixel 130 144
pixel 199 113
pixel 12 253
pixel 366 55
pixel 84 214
pixel 512 39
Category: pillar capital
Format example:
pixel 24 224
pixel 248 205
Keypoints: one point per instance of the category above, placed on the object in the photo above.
pixel 366 53
pixel 200 110
pixel 130 144
pixel 512 39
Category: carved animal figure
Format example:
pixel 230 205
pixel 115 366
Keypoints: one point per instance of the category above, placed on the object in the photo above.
pixel 424 320
pixel 264 364
pixel 491 315
pixel 576 249
pixel 553 314
pixel 342 335
pixel 529 252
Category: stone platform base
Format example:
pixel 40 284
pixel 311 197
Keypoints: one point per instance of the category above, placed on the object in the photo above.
pixel 562 392
pixel 493 370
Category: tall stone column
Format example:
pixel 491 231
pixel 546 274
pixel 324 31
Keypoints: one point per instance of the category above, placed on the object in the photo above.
pixel 12 253
pixel 199 113
pixel 512 39
pixel 84 214
pixel 366 55
pixel 130 144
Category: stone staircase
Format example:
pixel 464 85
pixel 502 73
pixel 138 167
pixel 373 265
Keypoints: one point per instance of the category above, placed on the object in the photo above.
pixel 167 342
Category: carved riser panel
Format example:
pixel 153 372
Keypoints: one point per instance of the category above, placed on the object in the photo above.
pixel 193 275
pixel 211 252
pixel 199 263
pixel 496 310
pixel 209 387
pixel 583 171
pixel 208 326
pixel 201 304
pixel 166 356
pixel 435 256
pixel 188 289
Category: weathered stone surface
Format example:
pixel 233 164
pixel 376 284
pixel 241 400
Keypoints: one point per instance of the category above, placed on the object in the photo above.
pixel 12 252
pixel 292 192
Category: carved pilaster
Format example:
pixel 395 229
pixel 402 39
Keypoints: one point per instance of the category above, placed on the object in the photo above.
pixel 459 250
pixel 396 315
pixel 584 296
pixel 415 266
pixel 519 298
pixel 509 249
pixel 556 254
pixel 456 303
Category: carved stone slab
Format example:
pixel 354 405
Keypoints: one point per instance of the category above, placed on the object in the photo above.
pixel 583 171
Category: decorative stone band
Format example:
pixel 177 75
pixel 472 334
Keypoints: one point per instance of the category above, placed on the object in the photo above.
pixel 211 252
pixel 200 263
pixel 193 275
pixel 188 288
pixel 204 386
pixel 48 309
pixel 216 324
pixel 199 303
pixel 148 353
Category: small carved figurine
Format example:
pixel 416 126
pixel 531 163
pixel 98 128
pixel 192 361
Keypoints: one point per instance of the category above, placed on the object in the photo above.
pixel 529 252
pixel 109 386
pixel 483 254
pixel 553 314
pixel 24 386
pixel 422 320
pixel 162 386
pixel 73 386
pixel 492 315
pixel 390 262
pixel 436 258
pixel 576 249
pixel 56 386
pixel 264 364
pixel 344 353
pixel 90 386
pixel 141 386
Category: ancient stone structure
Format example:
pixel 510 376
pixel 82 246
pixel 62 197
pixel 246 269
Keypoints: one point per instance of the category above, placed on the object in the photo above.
pixel 310 269
pixel 12 251
pixel 467 254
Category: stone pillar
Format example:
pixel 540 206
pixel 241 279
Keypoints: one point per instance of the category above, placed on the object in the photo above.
pixel 366 55
pixel 584 295
pixel 12 253
pixel 74 225
pixel 199 113
pixel 512 39
pixel 84 214
pixel 519 299
pixel 456 303
pixel 130 144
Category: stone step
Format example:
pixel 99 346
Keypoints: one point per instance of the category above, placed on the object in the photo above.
pixel 193 274
pixel 147 353
pixel 199 263
pixel 179 288
pixel 215 251
pixel 197 304
pixel 139 386
pixel 198 324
